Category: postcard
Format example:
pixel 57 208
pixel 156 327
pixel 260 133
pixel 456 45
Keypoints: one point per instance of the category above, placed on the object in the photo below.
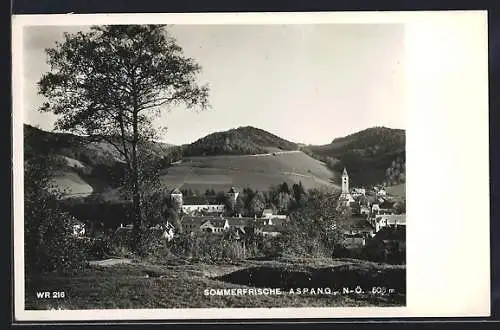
pixel 250 166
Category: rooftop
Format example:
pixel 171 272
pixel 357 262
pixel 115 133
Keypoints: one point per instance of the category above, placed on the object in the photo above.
pixel 216 222
pixel 200 200
pixel 175 191
pixel 196 220
pixel 237 221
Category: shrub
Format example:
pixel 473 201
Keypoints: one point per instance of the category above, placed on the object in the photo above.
pixel 49 244
pixel 100 247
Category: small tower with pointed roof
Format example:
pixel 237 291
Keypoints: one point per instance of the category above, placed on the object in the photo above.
pixel 233 193
pixel 176 194
pixel 345 182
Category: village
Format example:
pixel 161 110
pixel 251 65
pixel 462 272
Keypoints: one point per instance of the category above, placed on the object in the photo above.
pixel 371 212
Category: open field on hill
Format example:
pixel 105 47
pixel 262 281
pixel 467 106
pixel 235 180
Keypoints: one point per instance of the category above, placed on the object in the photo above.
pixel 258 172
pixel 397 190
pixel 72 184
pixel 255 171
pixel 182 285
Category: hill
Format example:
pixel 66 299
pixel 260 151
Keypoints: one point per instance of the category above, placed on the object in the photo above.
pixel 95 167
pixel 89 166
pixel 254 171
pixel 246 140
pixel 257 172
pixel 372 156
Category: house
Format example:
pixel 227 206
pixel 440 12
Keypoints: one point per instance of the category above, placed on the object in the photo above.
pixel 345 200
pixel 364 210
pixel 195 205
pixel 176 195
pixel 268 230
pixel 267 213
pixel 168 234
pixel 240 223
pixel 357 192
pixel 390 221
pixel 213 225
pixel 354 240
pixel 193 223
pixel 167 230
pixel 356 225
pixel 78 228
pixel 203 208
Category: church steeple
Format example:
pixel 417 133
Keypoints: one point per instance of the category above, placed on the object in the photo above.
pixel 345 182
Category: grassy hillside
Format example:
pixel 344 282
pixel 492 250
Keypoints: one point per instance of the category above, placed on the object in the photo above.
pixel 95 167
pixel 372 156
pixel 90 166
pixel 397 190
pixel 258 172
pixel 239 141
pixel 245 157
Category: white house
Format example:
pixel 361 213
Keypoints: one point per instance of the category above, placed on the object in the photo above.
pixel 78 229
pixel 268 231
pixel 213 225
pixel 188 209
pixel 390 221
pixel 357 192
pixel 267 213
pixel 381 192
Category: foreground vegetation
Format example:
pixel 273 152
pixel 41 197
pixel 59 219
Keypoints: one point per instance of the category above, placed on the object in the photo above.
pixel 181 284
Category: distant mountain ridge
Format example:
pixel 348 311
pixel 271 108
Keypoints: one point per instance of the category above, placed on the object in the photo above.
pixel 238 141
pixel 372 156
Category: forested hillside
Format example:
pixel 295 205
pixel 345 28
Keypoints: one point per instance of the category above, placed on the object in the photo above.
pixel 372 156
pixel 239 141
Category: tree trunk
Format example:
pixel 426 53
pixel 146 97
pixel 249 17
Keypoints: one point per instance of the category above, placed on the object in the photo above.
pixel 136 189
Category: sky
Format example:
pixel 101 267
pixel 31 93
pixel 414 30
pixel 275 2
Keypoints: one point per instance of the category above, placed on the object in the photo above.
pixel 305 83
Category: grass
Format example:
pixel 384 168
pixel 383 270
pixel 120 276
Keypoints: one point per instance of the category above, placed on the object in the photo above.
pixel 182 286
pixel 397 190
pixel 257 172
pixel 73 184
pixel 219 173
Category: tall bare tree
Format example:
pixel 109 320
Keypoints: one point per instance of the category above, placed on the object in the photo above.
pixel 111 83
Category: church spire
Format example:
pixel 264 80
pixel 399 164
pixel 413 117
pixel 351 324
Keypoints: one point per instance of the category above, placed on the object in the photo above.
pixel 344 173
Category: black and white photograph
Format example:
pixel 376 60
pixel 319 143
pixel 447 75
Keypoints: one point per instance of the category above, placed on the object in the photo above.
pixel 214 166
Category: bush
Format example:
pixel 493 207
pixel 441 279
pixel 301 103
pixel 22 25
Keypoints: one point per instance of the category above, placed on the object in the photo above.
pixel 100 247
pixel 49 244
pixel 199 246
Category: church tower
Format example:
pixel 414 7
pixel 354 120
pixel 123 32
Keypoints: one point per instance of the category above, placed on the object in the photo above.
pixel 345 182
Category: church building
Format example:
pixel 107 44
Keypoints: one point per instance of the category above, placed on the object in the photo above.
pixel 345 196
